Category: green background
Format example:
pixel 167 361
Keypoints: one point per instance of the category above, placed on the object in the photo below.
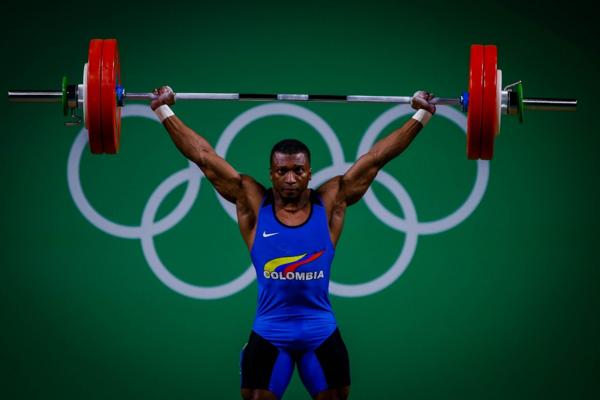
pixel 504 305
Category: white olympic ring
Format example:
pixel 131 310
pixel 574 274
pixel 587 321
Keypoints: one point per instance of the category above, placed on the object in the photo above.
pixel 192 176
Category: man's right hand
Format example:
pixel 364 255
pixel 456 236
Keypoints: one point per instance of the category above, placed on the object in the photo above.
pixel 164 95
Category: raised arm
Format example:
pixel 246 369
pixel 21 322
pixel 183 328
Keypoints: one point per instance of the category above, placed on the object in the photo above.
pixel 349 188
pixel 226 180
pixel 242 190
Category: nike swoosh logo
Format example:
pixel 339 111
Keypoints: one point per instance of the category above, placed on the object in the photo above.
pixel 266 235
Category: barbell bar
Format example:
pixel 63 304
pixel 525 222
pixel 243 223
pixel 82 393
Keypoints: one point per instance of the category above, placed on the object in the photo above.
pixel 101 96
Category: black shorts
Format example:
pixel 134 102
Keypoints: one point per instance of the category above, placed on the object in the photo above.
pixel 267 367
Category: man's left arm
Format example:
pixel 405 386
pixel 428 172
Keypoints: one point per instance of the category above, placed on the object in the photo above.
pixel 356 181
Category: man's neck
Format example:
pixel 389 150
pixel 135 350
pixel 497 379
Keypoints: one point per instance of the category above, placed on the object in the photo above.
pixel 292 206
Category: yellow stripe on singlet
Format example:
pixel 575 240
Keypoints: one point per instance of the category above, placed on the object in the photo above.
pixel 277 262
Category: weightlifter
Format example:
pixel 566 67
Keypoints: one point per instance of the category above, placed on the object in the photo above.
pixel 291 232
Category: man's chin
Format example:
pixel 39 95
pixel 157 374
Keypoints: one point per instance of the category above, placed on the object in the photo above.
pixel 290 195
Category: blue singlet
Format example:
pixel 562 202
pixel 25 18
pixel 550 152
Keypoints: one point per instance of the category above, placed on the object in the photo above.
pixel 292 267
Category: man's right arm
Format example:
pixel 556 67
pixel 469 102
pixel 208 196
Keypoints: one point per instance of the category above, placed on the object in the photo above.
pixel 227 181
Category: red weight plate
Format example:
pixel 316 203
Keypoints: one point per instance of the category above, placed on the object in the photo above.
pixel 489 120
pixel 475 102
pixel 111 114
pixel 93 107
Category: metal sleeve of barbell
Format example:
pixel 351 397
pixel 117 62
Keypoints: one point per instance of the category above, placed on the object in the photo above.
pixel 550 104
pixel 35 96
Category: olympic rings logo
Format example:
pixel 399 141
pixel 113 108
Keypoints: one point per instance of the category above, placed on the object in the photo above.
pixel 192 176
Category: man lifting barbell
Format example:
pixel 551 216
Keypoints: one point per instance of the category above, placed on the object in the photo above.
pixel 291 232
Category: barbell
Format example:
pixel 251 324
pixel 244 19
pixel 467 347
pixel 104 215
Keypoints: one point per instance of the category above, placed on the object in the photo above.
pixel 101 96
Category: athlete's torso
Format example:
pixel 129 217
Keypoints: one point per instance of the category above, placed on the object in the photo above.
pixel 293 266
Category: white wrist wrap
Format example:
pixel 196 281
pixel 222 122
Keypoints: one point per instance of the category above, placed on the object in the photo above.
pixel 422 116
pixel 163 112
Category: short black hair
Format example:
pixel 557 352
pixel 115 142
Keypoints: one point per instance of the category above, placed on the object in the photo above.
pixel 290 146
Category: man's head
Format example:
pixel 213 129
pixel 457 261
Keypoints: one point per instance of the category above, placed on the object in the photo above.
pixel 290 168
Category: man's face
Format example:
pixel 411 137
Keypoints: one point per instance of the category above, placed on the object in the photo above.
pixel 290 174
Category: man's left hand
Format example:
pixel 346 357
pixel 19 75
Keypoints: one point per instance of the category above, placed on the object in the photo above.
pixel 421 100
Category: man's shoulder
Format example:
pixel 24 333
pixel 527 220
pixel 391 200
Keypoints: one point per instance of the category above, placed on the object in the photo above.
pixel 330 187
pixel 251 184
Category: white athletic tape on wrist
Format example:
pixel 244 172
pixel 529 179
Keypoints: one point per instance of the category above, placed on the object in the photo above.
pixel 163 112
pixel 422 116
